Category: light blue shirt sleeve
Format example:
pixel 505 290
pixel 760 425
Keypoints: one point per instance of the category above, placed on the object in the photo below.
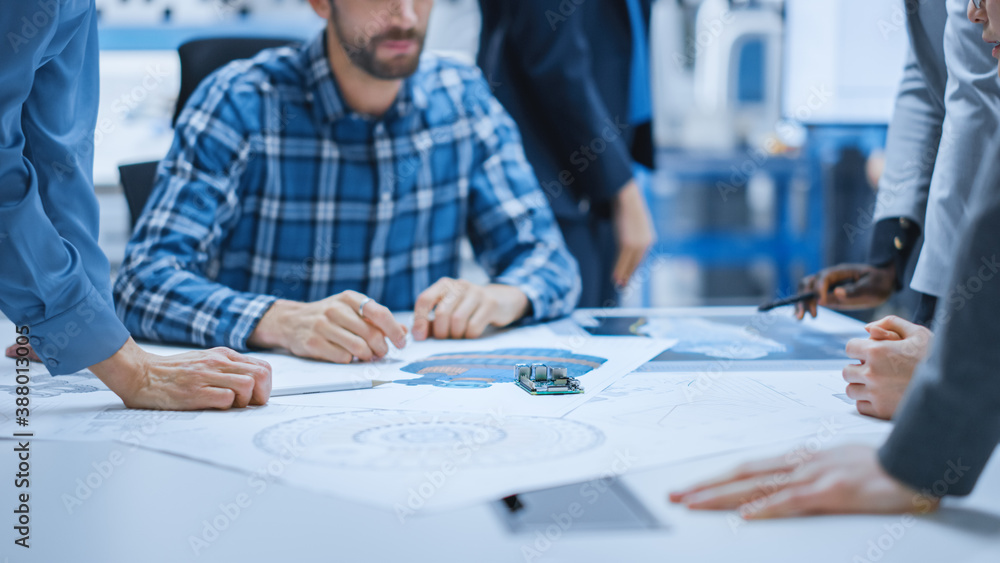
pixel 55 280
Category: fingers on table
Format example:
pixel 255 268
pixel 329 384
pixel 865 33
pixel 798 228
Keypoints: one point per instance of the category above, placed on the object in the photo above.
pixel 426 303
pixel 801 499
pixel 462 315
pixel 241 386
pixel 215 398
pixel 257 369
pixel 480 320
pixel 454 305
pixel 741 472
pixel 444 310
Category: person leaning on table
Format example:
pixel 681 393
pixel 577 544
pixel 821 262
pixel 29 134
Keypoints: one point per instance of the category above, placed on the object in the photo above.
pixel 941 130
pixel 55 280
pixel 948 423
pixel 264 232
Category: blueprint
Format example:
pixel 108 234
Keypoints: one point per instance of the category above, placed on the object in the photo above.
pixel 413 462
pixel 757 341
pixel 454 375
pixel 452 429
pixel 666 417
pixel 477 375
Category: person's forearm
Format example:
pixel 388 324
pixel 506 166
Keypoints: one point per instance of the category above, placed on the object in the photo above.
pixel 552 288
pixel 949 421
pixel 193 310
pixel 44 283
pixel 271 330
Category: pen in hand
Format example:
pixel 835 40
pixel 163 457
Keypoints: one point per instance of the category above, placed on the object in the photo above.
pixel 808 296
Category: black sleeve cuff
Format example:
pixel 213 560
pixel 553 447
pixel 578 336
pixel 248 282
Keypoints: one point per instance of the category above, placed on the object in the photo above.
pixel 892 243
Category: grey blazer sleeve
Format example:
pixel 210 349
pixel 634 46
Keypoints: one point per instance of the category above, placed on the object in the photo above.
pixel 949 421
pixel 915 130
pixel 972 107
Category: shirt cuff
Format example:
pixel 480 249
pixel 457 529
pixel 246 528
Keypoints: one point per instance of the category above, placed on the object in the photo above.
pixel 252 311
pixel 893 242
pixel 87 333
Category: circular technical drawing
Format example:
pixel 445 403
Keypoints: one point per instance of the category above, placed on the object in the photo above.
pixel 400 440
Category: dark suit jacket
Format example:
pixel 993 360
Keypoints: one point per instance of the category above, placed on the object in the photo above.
pixel 562 70
pixel 949 421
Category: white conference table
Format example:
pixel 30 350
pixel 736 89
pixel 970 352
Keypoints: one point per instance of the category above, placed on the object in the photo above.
pixel 152 504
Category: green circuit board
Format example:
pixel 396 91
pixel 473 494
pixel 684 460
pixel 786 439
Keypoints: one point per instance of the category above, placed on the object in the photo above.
pixel 541 379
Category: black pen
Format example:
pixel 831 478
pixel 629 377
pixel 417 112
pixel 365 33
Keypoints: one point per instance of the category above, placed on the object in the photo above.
pixel 809 296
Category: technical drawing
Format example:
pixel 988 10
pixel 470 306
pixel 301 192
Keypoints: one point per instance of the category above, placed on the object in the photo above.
pixel 45 386
pixel 736 338
pixel 689 401
pixel 393 440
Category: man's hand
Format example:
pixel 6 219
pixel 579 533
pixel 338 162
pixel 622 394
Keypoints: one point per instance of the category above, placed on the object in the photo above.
pixel 633 231
pixel 888 361
pixel 464 310
pixel 844 480
pixel 214 379
pixel 12 352
pixel 868 293
pixel 330 330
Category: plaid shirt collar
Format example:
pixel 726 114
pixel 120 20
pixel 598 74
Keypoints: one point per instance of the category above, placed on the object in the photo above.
pixel 322 84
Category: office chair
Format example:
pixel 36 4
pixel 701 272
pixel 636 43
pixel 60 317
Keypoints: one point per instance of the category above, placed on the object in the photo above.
pixel 137 182
pixel 199 58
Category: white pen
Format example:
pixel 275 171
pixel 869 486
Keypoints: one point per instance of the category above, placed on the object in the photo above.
pixel 328 387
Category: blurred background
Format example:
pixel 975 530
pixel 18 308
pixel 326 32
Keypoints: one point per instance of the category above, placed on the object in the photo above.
pixel 770 117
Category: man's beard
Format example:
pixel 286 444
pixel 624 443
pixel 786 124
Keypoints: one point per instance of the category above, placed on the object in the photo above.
pixel 363 54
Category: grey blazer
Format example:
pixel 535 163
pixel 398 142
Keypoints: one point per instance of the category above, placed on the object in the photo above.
pixel 949 421
pixel 944 122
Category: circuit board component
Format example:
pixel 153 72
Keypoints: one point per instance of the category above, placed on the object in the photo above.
pixel 540 379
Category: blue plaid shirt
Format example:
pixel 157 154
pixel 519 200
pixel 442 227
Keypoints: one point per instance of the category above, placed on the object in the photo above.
pixel 275 188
